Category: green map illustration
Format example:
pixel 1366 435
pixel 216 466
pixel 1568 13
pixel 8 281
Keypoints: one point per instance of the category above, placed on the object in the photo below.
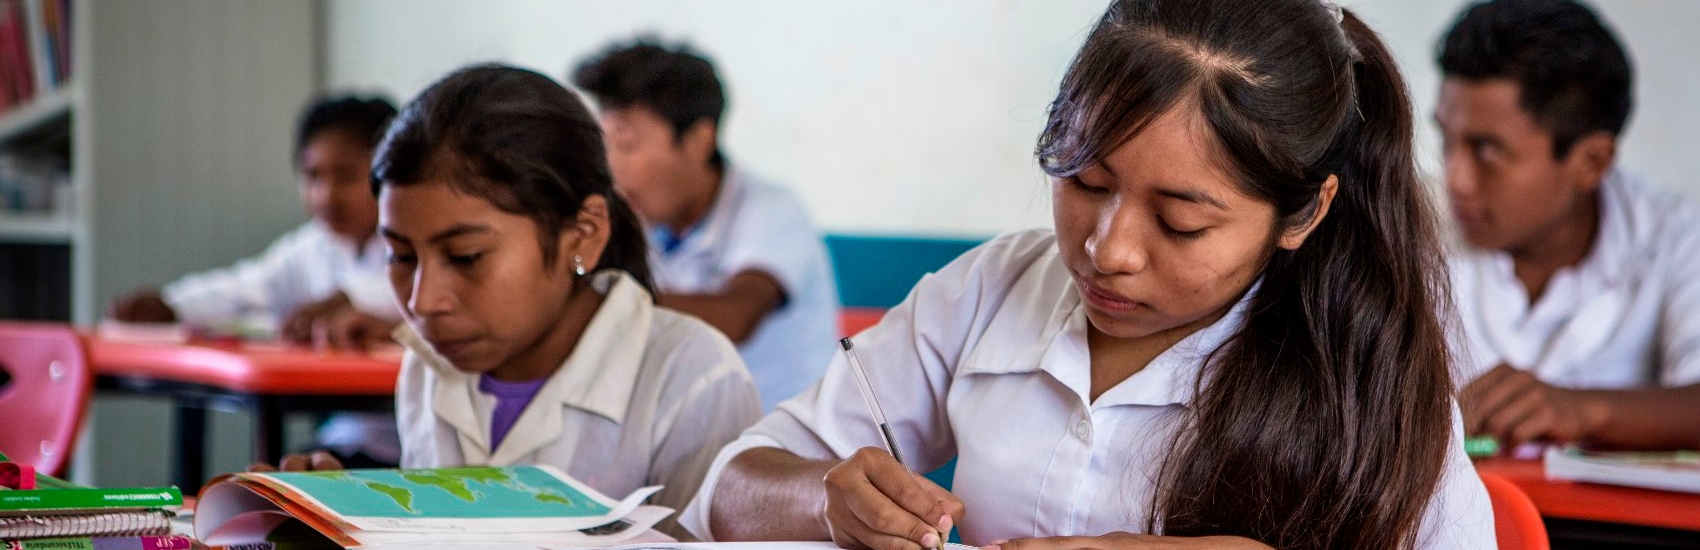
pixel 516 492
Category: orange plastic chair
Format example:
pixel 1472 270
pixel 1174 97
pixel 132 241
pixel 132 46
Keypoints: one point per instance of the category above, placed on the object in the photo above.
pixel 852 320
pixel 1516 522
pixel 44 395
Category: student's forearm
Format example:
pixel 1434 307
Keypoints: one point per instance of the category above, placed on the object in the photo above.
pixel 737 309
pixel 770 494
pixel 1661 418
pixel 736 319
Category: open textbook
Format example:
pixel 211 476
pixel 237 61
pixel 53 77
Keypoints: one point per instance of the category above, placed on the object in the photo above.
pixel 1667 470
pixel 805 545
pixel 523 505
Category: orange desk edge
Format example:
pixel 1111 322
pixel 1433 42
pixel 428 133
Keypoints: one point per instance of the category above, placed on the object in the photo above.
pixel 1563 499
pixel 249 368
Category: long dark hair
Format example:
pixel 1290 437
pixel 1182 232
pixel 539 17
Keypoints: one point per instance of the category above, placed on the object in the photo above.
pixel 521 141
pixel 1325 421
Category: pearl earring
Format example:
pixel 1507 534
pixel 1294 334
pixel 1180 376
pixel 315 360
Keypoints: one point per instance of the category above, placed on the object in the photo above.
pixel 578 265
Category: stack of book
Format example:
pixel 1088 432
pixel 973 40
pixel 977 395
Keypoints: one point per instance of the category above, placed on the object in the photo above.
pixel 59 515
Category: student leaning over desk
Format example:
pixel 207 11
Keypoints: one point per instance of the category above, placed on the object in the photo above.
pixel 531 330
pixel 1578 284
pixel 331 267
pixel 1230 338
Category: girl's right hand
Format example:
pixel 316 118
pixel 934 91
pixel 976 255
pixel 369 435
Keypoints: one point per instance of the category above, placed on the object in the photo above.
pixel 873 502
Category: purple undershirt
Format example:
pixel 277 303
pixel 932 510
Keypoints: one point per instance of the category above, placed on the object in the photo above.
pixel 511 399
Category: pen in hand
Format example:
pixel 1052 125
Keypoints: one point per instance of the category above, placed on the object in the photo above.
pixel 874 408
pixel 873 402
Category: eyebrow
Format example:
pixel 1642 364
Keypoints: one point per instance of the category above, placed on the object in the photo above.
pixel 450 233
pixel 1198 197
pixel 1192 196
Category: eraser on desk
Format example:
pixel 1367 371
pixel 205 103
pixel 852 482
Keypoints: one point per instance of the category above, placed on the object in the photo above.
pixel 17 475
pixel 1481 446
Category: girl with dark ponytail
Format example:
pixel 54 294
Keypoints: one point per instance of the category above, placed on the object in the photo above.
pixel 531 332
pixel 1234 337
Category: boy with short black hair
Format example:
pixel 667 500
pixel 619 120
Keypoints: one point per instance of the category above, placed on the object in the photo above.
pixel 1577 283
pixel 733 249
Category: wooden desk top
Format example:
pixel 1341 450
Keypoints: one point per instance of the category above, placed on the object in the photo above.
pixel 250 367
pixel 1593 502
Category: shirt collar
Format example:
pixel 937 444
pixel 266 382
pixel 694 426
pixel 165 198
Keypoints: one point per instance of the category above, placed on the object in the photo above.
pixel 712 228
pixel 372 247
pixel 1005 347
pixel 599 374
pixel 1614 244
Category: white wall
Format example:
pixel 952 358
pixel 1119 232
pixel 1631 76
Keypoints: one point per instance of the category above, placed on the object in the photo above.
pixel 896 116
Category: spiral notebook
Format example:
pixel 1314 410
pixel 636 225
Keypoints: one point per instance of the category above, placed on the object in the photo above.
pixel 87 524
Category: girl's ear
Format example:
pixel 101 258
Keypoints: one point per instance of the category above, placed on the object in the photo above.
pixel 587 236
pixel 1292 238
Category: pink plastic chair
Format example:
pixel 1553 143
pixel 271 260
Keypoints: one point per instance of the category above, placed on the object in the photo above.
pixel 1517 523
pixel 45 395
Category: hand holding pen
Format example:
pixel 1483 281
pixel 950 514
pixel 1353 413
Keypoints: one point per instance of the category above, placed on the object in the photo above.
pixel 875 501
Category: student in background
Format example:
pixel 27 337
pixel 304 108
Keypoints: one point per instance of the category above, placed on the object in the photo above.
pixel 1578 283
pixel 531 332
pixel 728 247
pixel 321 283
pixel 1230 338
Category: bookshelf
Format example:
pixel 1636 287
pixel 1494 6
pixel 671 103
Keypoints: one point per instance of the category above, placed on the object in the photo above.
pixel 169 126
pixel 37 113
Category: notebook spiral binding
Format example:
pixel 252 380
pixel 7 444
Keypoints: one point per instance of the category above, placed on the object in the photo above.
pixel 118 523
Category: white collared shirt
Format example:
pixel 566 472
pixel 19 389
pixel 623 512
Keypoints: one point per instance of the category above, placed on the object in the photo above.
pixel 308 264
pixel 305 265
pixel 647 397
pixel 756 225
pixel 987 361
pixel 1627 316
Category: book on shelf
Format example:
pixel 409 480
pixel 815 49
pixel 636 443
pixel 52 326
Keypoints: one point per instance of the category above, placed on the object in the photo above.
pixel 1665 470
pixel 535 505
pixel 17 79
pixel 35 49
pixel 43 70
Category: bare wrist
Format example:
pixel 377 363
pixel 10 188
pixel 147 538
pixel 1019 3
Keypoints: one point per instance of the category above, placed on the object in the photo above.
pixel 1594 411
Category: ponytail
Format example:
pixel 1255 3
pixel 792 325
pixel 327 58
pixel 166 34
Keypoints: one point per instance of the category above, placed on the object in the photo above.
pixel 1330 411
pixel 1325 421
pixel 627 249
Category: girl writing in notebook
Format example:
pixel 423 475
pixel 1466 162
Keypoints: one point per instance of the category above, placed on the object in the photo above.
pixel 1230 338
pixel 531 330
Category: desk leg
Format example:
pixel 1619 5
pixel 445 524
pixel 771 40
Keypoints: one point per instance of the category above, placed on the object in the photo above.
pixel 191 433
pixel 268 430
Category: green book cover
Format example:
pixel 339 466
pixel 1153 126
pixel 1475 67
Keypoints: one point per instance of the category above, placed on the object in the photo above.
pixel 89 499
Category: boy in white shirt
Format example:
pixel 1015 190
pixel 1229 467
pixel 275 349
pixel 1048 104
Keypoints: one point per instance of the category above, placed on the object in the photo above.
pixel 1578 285
pixel 735 250
pixel 331 270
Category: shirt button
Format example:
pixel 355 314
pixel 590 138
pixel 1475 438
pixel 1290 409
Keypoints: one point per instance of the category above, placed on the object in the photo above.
pixel 1083 430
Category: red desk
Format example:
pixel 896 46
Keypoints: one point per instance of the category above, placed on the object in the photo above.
pixel 1600 504
pixel 268 381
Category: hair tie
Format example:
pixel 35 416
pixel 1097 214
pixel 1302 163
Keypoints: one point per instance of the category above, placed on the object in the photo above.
pixel 1339 13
